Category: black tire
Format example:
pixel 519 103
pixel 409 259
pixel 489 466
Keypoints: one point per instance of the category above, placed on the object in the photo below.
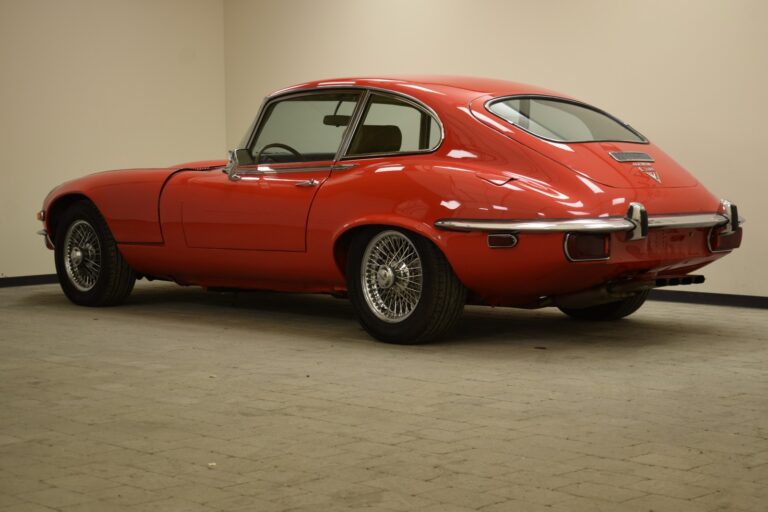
pixel 609 311
pixel 83 285
pixel 438 307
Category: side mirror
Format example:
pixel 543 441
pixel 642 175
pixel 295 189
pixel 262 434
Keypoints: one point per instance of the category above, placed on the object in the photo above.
pixel 237 158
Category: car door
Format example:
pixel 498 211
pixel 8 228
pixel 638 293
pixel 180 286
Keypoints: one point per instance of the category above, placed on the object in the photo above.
pixel 265 203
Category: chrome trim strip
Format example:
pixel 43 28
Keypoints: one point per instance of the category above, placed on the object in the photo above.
pixel 343 167
pixel 631 156
pixel 700 220
pixel 266 169
pixel 608 224
pixel 605 225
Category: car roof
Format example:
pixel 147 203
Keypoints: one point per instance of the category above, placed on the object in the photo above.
pixel 412 84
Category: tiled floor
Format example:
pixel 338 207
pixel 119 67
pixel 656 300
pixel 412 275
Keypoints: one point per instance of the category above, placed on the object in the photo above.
pixel 188 401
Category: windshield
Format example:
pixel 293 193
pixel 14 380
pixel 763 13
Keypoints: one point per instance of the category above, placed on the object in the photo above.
pixel 562 120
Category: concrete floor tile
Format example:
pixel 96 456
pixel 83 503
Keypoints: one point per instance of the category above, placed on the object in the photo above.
pixel 300 410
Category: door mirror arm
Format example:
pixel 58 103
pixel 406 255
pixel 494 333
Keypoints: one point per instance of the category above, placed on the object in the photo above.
pixel 237 158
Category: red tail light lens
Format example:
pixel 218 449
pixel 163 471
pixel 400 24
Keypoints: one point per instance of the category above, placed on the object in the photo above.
pixel 724 243
pixel 587 246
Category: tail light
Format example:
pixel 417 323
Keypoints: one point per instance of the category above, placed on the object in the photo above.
pixel 720 242
pixel 587 246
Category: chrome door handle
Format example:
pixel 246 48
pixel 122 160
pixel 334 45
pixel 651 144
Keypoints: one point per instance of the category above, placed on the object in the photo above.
pixel 308 183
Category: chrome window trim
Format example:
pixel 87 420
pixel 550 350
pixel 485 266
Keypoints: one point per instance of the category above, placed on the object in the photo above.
pixel 269 100
pixel 353 124
pixel 357 114
pixel 488 104
pixel 410 100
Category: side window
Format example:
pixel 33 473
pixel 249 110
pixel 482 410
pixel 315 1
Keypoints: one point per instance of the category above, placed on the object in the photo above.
pixel 304 128
pixel 391 125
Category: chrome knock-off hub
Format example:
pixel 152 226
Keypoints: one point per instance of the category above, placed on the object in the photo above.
pixel 385 277
pixel 76 256
pixel 391 276
pixel 82 255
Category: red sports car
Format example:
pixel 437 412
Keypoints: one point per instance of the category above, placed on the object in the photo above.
pixel 411 195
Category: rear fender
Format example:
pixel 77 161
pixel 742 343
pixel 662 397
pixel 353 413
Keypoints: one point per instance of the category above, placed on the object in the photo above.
pixel 344 236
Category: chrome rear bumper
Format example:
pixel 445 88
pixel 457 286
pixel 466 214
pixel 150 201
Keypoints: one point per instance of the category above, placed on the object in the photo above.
pixel 636 223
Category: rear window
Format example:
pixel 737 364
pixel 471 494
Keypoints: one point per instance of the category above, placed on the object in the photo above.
pixel 562 120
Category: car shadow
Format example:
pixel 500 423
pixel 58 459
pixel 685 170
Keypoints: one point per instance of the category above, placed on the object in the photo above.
pixel 479 328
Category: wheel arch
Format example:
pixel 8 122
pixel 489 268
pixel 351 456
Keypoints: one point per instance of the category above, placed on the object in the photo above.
pixel 344 237
pixel 58 206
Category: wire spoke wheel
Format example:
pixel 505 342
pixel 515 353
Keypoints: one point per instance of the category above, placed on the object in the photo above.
pixel 391 276
pixel 82 255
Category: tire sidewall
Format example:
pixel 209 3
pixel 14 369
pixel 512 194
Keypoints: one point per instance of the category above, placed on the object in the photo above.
pixel 83 211
pixel 407 330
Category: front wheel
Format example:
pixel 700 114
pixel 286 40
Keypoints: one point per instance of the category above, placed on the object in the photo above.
pixel 89 265
pixel 609 311
pixel 402 287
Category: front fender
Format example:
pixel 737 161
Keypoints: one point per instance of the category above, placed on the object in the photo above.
pixel 126 199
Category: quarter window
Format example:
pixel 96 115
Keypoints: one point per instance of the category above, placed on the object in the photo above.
pixel 392 125
pixel 304 128
pixel 562 121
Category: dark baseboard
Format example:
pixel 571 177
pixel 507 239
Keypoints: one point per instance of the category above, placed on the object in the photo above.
pixel 713 299
pixel 28 280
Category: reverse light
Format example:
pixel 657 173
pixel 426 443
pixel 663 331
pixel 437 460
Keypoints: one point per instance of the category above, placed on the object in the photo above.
pixel 587 246
pixel 502 240
pixel 720 240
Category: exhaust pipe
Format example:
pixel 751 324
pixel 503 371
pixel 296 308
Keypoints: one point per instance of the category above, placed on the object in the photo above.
pixel 612 292
pixel 677 281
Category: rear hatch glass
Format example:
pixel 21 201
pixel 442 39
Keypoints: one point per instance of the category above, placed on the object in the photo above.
pixel 587 140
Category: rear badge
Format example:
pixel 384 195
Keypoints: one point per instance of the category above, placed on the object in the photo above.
pixel 651 172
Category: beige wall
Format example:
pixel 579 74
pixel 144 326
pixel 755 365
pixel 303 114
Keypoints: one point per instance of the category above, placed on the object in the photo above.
pixel 690 75
pixel 100 84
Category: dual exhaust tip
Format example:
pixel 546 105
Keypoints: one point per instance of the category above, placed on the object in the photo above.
pixel 677 281
pixel 616 291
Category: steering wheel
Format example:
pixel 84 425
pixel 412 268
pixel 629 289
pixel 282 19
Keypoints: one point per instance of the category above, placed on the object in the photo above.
pixel 281 146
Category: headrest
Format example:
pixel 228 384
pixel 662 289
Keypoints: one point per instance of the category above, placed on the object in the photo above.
pixel 377 139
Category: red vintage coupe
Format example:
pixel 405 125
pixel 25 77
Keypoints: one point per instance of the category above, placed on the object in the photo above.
pixel 411 195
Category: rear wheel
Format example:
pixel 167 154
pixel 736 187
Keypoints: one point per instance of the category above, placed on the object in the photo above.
pixel 89 265
pixel 609 311
pixel 402 287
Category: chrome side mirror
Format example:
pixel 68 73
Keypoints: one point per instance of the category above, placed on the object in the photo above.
pixel 237 158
